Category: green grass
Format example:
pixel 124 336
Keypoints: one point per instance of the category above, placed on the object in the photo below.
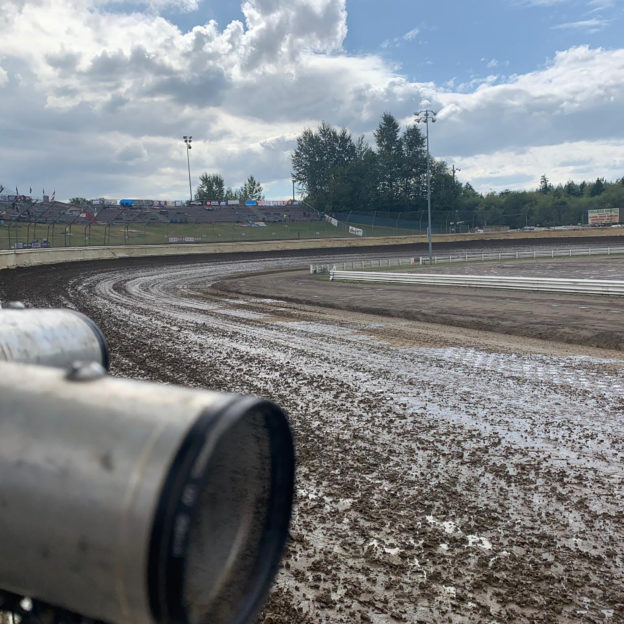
pixel 61 235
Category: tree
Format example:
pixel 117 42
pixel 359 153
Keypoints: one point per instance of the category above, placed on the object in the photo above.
pixel 320 163
pixel 251 190
pixel 79 201
pixel 211 187
pixel 597 188
pixel 414 165
pixel 389 159
pixel 544 186
pixel 571 188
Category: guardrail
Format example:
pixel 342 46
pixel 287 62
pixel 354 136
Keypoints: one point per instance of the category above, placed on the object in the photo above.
pixel 469 257
pixel 549 284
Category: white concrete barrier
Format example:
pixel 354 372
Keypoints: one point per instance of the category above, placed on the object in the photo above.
pixel 55 255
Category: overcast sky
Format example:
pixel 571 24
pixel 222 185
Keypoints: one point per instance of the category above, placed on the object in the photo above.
pixel 97 94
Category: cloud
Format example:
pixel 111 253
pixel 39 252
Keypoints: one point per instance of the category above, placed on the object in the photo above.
pixel 538 3
pixel 134 152
pixel 396 42
pixel 601 4
pixel 411 34
pixel 590 25
pixel 575 98
pixel 101 97
pixel 181 6
pixel 516 170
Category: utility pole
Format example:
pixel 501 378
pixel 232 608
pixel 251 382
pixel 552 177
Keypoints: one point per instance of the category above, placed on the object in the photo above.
pixel 187 141
pixel 454 169
pixel 425 116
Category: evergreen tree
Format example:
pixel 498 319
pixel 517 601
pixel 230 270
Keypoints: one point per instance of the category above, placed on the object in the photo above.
pixel 598 188
pixel 544 185
pixel 572 189
pixel 414 157
pixel 389 160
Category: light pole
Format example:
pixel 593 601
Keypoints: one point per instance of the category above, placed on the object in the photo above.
pixel 425 116
pixel 187 141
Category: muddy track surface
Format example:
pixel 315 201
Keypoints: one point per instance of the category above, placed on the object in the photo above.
pixel 444 474
pixel 575 318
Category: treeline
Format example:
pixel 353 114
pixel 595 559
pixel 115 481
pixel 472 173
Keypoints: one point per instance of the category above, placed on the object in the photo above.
pixel 340 174
pixel 547 206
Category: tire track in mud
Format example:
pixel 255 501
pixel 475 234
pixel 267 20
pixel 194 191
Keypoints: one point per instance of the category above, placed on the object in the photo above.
pixel 435 483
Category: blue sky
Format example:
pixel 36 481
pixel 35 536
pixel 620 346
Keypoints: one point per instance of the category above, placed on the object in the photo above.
pixel 102 91
pixel 462 41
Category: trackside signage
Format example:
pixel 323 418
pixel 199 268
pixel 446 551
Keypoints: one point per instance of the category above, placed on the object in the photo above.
pixel 603 216
pixel 356 231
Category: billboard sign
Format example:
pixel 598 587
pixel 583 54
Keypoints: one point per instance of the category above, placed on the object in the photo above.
pixel 603 216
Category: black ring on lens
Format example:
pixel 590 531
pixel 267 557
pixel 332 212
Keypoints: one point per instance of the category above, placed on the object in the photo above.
pixel 170 536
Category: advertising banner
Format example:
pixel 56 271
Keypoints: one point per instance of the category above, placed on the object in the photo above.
pixel 603 216
pixel 356 231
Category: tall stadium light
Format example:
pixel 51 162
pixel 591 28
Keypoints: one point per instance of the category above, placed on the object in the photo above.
pixel 426 116
pixel 187 141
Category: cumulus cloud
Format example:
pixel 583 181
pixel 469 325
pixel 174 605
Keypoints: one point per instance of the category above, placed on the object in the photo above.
pixel 100 98
pixel 575 98
pixel 515 170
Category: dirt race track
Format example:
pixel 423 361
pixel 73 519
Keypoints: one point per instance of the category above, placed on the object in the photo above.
pixel 445 474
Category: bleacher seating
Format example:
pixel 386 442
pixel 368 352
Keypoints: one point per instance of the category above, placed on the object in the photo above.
pixel 58 212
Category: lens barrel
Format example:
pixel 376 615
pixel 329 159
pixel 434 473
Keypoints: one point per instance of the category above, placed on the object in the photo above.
pixel 50 337
pixel 138 503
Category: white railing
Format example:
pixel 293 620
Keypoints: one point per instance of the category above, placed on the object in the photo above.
pixel 364 264
pixel 563 285
pixel 468 257
pixel 522 255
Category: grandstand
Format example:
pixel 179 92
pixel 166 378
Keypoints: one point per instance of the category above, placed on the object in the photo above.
pixel 138 211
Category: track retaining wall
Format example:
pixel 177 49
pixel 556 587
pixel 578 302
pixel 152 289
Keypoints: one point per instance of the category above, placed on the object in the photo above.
pixel 56 255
